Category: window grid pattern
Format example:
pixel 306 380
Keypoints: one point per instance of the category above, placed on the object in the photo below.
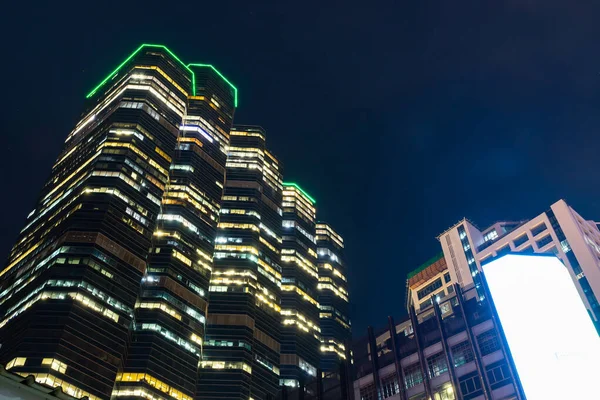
pixel 488 342
pixel 437 365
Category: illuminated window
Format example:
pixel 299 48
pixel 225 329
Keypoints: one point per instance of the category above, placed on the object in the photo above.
pixel 437 365
pixel 16 362
pixel 226 365
pixel 491 235
pixel 55 364
pixel 413 375
pixel 389 385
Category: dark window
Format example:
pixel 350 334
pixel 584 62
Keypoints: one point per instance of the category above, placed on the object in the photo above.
pixel 447 277
pixel 429 288
pixel 520 240
pixel 470 386
pixel 413 375
pixel 498 374
pixel 544 241
pixel 437 364
pixel 389 385
pixel 503 250
pixel 368 392
pixel 426 303
pixel 488 342
pixel 536 230
pixel 462 353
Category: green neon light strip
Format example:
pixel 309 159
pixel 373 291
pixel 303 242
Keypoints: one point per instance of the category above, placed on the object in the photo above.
pixel 301 191
pixel 235 91
pixel 112 74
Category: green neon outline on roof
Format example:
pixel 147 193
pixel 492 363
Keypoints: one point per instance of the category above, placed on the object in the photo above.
pixel 301 191
pixel 112 74
pixel 235 91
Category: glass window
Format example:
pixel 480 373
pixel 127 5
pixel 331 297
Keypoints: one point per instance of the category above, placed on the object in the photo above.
pixel 488 342
pixel 413 375
pixel 520 240
pixel 444 393
pixel 470 386
pixel 368 392
pixel 536 230
pixel 544 241
pixel 498 374
pixel 389 385
pixel 447 277
pixel 427 290
pixel 462 353
pixel 436 364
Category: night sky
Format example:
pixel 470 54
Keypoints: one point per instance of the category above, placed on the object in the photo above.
pixel 399 117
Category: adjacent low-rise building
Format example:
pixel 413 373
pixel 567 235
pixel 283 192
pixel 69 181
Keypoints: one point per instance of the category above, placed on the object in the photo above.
pixel 445 351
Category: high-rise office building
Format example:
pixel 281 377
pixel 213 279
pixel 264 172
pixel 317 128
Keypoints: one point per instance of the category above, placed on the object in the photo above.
pixel 333 297
pixel 300 339
pixel 242 346
pixel 106 287
pixel 559 230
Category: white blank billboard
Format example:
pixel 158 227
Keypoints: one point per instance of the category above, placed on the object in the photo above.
pixel 553 341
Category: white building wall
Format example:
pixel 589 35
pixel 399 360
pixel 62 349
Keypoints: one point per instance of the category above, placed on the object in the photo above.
pixel 583 237
pixel 454 255
pixel 442 292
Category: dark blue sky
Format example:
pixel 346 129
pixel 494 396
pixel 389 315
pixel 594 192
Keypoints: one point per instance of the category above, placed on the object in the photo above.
pixel 399 117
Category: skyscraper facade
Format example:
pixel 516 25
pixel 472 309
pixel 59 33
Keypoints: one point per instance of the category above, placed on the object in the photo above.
pixel 165 257
pixel 242 346
pixel 300 340
pixel 333 297
pixel 106 287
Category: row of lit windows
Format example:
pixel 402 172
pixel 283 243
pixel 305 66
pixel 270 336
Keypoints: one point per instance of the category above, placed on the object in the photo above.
pixel 291 194
pixel 154 382
pixel 161 306
pixel 324 229
pixel 53 381
pixel 240 212
pixel 332 349
pixel 245 133
pixel 291 255
pixel 237 248
pixel 170 336
pixel 297 318
pixel 226 365
pixel 232 225
pixel 338 292
pixel 294 224
pixel 305 296
pixel 270 232
pixel 117 193
pixel 196 194
pixel 336 272
pixel 37 295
